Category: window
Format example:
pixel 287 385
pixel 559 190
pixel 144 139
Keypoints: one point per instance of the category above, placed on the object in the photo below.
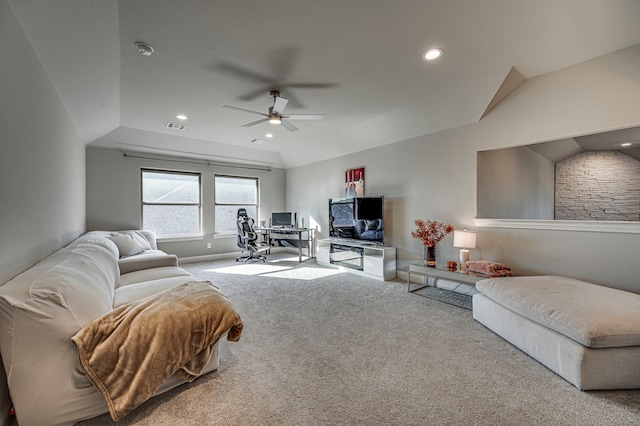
pixel 232 193
pixel 171 202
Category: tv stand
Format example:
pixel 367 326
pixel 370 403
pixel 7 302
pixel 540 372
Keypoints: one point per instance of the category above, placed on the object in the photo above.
pixel 370 259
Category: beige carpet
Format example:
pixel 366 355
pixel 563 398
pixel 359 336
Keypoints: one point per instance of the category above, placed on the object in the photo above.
pixel 327 348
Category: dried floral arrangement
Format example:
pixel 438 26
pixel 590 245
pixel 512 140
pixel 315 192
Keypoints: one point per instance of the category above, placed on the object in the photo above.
pixel 431 232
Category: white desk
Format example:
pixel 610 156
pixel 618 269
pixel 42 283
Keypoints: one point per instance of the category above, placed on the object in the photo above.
pixel 283 232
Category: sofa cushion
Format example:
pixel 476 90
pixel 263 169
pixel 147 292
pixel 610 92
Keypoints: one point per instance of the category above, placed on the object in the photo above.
pixel 140 290
pixel 104 242
pixel 150 236
pixel 100 238
pixel 127 244
pixel 152 274
pixel 374 225
pixel 146 260
pixel 140 239
pixel 592 315
pixel 80 279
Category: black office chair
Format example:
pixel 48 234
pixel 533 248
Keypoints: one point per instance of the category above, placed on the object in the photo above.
pixel 247 239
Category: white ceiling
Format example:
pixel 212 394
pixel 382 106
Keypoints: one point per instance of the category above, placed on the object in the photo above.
pixel 367 53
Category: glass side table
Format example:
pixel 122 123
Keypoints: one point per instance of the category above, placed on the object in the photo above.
pixel 419 268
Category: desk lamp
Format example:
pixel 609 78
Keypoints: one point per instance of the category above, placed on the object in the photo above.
pixel 464 240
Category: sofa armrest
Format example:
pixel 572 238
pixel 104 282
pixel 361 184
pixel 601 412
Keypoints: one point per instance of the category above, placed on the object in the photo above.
pixel 137 263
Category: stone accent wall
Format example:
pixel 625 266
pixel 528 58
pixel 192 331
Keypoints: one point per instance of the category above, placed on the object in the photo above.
pixel 598 185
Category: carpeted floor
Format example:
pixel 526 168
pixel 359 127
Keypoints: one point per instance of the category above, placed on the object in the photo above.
pixel 323 347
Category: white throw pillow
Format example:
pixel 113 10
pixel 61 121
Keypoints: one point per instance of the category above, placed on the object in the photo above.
pixel 141 239
pixel 127 244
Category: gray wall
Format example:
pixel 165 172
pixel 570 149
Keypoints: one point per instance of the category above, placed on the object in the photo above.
pixel 43 196
pixel 514 183
pixel 434 176
pixel 113 196
pixel 42 185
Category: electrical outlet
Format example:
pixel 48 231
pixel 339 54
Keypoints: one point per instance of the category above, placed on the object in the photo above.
pixel 208 245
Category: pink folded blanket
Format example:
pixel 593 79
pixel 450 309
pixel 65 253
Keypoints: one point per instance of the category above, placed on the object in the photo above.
pixel 500 274
pixel 484 268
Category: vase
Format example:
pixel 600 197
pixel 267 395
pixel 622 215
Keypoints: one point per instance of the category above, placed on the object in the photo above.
pixel 430 256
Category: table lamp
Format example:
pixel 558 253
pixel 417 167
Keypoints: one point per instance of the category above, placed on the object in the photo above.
pixel 464 240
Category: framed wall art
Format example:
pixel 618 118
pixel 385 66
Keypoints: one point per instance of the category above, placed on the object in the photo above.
pixel 354 182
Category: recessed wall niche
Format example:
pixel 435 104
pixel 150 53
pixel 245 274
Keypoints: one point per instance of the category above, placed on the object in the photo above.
pixel 588 178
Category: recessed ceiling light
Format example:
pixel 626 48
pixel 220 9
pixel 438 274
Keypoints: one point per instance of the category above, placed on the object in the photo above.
pixel 181 117
pixel 268 135
pixel 626 144
pixel 432 54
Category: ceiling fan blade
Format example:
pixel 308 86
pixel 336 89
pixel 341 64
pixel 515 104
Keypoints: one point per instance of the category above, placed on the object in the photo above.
pixel 290 127
pixel 255 93
pixel 244 73
pixel 253 123
pixel 279 104
pixel 244 110
pixel 304 117
pixel 309 85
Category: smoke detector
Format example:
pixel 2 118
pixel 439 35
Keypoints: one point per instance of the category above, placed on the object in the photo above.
pixel 144 49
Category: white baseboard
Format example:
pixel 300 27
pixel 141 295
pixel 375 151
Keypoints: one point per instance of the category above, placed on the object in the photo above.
pixel 207 258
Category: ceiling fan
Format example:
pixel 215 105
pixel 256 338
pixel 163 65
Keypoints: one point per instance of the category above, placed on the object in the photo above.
pixel 276 113
pixel 278 73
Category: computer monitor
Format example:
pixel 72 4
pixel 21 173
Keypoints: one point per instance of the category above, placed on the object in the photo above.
pixel 281 219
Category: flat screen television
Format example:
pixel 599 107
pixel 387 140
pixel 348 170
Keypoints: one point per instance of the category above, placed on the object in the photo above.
pixel 358 218
pixel 281 219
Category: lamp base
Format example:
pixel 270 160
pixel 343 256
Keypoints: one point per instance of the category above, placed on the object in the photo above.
pixel 464 258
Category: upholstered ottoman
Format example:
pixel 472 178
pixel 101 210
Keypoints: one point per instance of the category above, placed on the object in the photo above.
pixel 587 333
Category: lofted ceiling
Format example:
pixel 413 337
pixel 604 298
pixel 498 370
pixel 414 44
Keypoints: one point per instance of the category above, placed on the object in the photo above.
pixel 357 61
pixel 556 151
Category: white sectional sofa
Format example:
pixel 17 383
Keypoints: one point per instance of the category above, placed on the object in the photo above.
pixel 42 308
pixel 586 333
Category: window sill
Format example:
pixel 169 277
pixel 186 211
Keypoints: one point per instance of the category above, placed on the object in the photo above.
pixel 562 225
pixel 177 238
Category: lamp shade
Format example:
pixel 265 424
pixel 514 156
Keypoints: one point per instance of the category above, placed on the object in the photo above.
pixel 464 239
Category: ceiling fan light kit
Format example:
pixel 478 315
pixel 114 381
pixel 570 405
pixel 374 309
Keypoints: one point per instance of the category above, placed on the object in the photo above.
pixel 276 113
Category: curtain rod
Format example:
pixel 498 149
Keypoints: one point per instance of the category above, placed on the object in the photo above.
pixel 203 162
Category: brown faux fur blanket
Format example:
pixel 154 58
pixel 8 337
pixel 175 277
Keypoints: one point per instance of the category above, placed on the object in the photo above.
pixel 129 352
